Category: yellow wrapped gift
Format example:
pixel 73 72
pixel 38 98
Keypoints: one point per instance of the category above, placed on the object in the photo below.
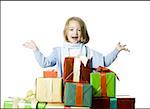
pixel 49 89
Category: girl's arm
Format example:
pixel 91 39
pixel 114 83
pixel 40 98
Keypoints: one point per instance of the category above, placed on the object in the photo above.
pixel 109 59
pixel 40 58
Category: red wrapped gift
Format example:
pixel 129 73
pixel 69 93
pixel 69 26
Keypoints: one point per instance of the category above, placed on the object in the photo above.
pixel 50 74
pixel 113 103
pixel 73 65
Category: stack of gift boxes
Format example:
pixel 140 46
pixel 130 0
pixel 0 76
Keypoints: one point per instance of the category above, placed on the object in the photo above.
pixel 81 87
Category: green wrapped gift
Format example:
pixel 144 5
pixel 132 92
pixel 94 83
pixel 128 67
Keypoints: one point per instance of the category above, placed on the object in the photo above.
pixel 103 84
pixel 78 94
pixel 41 105
pixel 11 103
pixel 8 104
pixel 44 105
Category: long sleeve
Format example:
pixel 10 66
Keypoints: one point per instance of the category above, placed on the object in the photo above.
pixel 46 61
pixel 99 59
pixel 109 59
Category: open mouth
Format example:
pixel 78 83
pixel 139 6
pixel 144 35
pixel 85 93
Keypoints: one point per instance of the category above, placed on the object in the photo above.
pixel 74 37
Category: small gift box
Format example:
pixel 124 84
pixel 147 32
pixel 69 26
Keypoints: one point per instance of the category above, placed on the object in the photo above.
pixel 103 82
pixel 50 74
pixel 11 102
pixel 49 89
pixel 78 94
pixel 20 103
pixel 77 69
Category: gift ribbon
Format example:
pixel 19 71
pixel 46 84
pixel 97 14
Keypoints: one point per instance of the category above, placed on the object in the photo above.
pixel 76 70
pixel 16 102
pixel 26 104
pixel 67 107
pixel 79 94
pixel 103 84
pixel 113 103
pixel 106 70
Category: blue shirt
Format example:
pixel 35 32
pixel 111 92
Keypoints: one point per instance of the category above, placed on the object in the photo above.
pixel 55 58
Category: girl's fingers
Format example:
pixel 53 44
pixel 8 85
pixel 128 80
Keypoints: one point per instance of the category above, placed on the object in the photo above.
pixel 118 43
pixel 123 45
pixel 28 45
pixel 126 49
pixel 33 42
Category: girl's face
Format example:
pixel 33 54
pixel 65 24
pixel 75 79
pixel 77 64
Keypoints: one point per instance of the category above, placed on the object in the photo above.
pixel 74 32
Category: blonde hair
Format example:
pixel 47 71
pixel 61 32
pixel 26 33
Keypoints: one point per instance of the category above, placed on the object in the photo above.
pixel 84 34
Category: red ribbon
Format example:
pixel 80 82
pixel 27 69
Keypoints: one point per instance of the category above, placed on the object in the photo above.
pixel 67 107
pixel 105 70
pixel 79 94
pixel 103 84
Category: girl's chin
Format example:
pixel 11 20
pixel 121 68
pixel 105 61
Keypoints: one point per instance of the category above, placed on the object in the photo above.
pixel 74 42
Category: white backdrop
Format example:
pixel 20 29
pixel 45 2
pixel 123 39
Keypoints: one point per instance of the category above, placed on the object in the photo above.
pixel 107 23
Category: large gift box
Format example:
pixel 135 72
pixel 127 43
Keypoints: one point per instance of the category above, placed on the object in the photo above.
pixel 77 69
pixel 57 106
pixel 49 89
pixel 103 83
pixel 113 103
pixel 78 94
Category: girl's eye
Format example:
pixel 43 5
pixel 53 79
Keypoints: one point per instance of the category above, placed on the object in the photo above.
pixel 71 29
pixel 79 30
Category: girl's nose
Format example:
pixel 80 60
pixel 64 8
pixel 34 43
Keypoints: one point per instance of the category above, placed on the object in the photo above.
pixel 76 32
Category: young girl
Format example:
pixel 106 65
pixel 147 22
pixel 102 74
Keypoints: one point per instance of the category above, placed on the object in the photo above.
pixel 76 36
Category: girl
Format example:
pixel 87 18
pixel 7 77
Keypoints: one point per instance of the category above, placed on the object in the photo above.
pixel 76 36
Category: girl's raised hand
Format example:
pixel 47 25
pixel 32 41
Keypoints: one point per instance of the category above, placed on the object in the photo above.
pixel 31 45
pixel 121 47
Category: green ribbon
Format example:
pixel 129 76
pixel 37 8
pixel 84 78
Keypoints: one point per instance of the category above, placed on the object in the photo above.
pixel 113 103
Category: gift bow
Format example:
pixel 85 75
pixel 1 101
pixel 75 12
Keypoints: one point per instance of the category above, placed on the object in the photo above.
pixel 30 97
pixel 105 70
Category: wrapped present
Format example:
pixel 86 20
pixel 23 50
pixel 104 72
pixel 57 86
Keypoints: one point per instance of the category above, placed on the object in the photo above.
pixel 77 69
pixel 103 83
pixel 11 102
pixel 113 103
pixel 50 74
pixel 57 106
pixel 49 89
pixel 78 94
pixel 21 103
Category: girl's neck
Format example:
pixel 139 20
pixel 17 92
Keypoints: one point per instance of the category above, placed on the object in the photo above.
pixel 73 45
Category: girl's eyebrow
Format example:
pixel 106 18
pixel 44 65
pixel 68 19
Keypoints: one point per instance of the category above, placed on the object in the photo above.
pixel 74 27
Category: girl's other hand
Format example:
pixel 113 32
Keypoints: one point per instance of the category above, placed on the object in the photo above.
pixel 31 45
pixel 121 47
